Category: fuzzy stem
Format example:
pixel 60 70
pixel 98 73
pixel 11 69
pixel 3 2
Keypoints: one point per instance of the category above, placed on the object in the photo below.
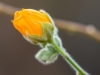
pixel 66 56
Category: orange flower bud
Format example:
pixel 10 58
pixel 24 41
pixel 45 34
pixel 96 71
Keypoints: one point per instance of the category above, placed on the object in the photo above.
pixel 28 21
pixel 35 26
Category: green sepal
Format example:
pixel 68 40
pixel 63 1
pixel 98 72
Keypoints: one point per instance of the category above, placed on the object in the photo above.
pixel 51 20
pixel 47 55
pixel 47 34
pixel 48 30
pixel 57 40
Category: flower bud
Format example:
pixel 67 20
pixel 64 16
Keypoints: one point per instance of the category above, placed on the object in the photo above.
pixel 47 55
pixel 35 26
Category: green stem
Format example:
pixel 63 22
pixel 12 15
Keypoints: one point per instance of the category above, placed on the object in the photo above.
pixel 67 57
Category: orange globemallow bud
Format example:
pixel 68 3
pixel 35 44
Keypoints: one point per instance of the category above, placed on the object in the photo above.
pixel 29 21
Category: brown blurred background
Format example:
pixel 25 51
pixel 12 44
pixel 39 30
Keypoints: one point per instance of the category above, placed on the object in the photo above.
pixel 17 55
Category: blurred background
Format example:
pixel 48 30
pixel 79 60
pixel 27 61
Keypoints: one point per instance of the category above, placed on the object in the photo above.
pixel 17 55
